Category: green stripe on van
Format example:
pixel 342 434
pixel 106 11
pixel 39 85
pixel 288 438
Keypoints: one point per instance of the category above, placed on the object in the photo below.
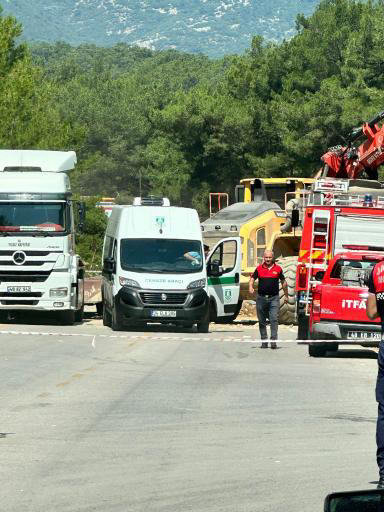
pixel 221 280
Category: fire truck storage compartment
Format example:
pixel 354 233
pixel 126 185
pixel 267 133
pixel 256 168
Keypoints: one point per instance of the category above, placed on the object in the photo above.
pixel 358 230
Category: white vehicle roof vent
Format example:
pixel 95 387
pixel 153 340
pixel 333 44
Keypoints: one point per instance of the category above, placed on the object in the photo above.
pixel 151 201
pixel 25 160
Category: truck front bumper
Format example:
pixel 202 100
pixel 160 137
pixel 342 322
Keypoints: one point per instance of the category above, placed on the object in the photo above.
pixel 131 308
pixel 35 295
pixel 345 332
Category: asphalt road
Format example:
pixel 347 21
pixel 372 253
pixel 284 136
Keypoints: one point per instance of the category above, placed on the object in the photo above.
pixel 167 421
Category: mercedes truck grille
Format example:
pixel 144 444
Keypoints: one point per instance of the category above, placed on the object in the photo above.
pixel 37 276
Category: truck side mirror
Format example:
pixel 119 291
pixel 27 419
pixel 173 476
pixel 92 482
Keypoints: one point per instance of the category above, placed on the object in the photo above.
pixel 81 215
pixel 109 266
pixel 367 276
pixel 319 275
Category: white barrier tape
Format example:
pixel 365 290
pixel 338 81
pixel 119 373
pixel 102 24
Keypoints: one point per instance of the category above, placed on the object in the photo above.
pixel 169 336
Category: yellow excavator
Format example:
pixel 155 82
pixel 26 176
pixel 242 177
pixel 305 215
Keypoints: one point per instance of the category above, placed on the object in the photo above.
pixel 266 215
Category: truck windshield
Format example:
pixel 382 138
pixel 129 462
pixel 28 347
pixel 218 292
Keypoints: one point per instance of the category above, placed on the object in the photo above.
pixel 19 217
pixel 161 256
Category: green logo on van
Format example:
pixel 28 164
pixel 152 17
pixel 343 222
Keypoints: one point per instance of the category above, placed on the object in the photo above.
pixel 228 294
pixel 160 221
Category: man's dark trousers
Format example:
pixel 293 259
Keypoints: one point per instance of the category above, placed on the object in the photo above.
pixel 268 307
pixel 380 415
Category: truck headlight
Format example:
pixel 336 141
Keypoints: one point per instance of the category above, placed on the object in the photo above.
pixel 128 282
pixel 199 283
pixel 58 292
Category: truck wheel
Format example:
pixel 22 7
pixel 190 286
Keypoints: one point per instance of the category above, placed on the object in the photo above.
pixel 99 308
pixel 317 350
pixel 79 314
pixel 106 317
pixel 302 327
pixel 67 317
pixel 287 311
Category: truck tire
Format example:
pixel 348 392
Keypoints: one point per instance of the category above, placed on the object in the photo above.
pixel 317 350
pixel 99 308
pixel 287 311
pixel 79 314
pixel 67 317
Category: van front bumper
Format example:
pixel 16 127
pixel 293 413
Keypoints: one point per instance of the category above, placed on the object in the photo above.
pixel 138 305
pixel 346 332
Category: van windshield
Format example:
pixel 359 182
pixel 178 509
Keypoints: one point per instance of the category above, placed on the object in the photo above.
pixel 161 256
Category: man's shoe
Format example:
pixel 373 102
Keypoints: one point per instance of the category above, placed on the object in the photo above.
pixel 264 344
pixel 273 344
pixel 380 484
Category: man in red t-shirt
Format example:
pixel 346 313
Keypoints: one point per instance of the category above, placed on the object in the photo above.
pixel 268 302
pixel 375 308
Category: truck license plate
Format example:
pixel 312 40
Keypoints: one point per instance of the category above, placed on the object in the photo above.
pixel 363 335
pixel 18 289
pixel 155 313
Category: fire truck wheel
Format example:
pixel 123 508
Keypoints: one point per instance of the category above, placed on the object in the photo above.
pixel 317 350
pixel 287 310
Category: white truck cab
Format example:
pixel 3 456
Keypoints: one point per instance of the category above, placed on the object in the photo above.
pixel 154 268
pixel 39 269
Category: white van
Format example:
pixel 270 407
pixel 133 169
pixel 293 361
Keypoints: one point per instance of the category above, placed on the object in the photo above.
pixel 154 268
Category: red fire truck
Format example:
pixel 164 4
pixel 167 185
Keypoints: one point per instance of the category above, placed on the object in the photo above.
pixel 340 215
pixel 338 307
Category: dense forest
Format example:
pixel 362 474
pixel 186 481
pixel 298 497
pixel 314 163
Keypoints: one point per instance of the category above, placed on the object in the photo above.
pixel 182 125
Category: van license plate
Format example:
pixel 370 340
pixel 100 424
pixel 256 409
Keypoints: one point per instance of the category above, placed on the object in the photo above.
pixel 363 335
pixel 18 289
pixel 162 314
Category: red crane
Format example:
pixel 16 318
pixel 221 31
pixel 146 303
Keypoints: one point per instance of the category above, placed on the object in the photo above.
pixel 351 161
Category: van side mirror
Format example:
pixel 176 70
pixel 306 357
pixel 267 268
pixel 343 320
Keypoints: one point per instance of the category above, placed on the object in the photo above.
pixel 319 275
pixel 214 269
pixel 109 266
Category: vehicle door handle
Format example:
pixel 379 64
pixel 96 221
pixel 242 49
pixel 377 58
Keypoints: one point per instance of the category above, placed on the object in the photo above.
pixel 237 278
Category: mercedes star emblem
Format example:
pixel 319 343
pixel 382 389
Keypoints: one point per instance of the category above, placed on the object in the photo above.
pixel 19 257
pixel 163 296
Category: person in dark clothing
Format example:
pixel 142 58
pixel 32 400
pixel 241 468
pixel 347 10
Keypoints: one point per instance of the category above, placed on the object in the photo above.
pixel 268 275
pixel 375 308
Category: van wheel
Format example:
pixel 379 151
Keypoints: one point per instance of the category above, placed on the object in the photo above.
pixel 317 350
pixel 106 317
pixel 67 317
pixel 203 326
pixel 115 323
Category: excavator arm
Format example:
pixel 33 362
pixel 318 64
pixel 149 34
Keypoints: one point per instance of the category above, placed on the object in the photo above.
pixel 350 161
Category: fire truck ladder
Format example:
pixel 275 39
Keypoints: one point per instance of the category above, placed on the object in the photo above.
pixel 319 249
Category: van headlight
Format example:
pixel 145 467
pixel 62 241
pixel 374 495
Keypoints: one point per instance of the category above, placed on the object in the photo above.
pixel 128 282
pixel 58 292
pixel 199 283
